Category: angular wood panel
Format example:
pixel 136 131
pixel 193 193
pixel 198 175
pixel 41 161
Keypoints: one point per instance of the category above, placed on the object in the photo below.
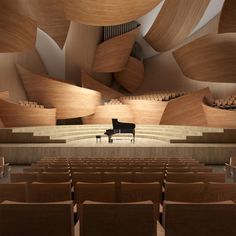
pixel 71 101
pixel 51 18
pixel 113 54
pixel 105 113
pixel 90 83
pixel 145 111
pixel 186 110
pixel 18 32
pixel 175 22
pixel 219 117
pixel 227 22
pixel 15 115
pixel 105 13
pixel 210 58
pixel 132 76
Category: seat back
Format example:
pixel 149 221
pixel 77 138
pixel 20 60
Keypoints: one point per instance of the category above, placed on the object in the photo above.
pixel 195 177
pixel 36 219
pixel 48 177
pixel 120 219
pixel 24 177
pixel 13 192
pixel 94 177
pixel 141 177
pixel 49 192
pixel 210 219
pixel 117 177
pixel 137 192
pixel 100 192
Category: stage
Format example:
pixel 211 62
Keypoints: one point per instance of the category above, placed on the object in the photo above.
pixel 80 141
pixel 207 153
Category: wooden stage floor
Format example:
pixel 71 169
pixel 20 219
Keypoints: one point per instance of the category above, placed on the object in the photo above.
pixel 143 147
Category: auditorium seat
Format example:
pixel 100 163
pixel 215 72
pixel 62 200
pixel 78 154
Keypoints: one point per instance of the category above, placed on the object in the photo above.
pixel 36 219
pixel 126 219
pixel 34 169
pixel 49 192
pixel 24 177
pixel 13 192
pixel 49 177
pixel 117 177
pixel 101 192
pixel 188 177
pixel 137 192
pixel 200 192
pixel 147 177
pixel 201 219
pixel 94 177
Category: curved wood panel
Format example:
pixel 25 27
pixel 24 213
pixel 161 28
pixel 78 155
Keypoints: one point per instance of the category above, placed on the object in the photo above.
pixel 106 13
pixel 15 115
pixel 219 117
pixel 113 54
pixel 210 58
pixel 132 76
pixel 186 110
pixel 90 83
pixel 4 95
pixel 175 22
pixel 51 18
pixel 18 33
pixel 1 124
pixel 71 101
pixel 146 112
pixel 227 22
pixel 105 113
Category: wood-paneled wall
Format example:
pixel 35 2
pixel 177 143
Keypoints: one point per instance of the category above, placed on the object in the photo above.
pixel 71 101
pixel 186 110
pixel 163 73
pixel 9 79
pixel 210 58
pixel 50 17
pixel 90 83
pixel 132 76
pixel 219 117
pixel 228 17
pixel 146 111
pixel 80 48
pixel 113 54
pixel 105 113
pixel 18 32
pixel 175 22
pixel 15 115
pixel 112 12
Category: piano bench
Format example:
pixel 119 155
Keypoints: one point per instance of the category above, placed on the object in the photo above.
pixel 98 138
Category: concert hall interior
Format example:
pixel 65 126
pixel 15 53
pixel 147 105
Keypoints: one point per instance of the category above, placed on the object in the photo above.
pixel 117 117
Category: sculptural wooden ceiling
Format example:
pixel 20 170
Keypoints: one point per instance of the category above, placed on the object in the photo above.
pixel 113 54
pixel 227 22
pixel 175 22
pixel 210 58
pixel 132 76
pixel 71 101
pixel 90 83
pixel 15 115
pixel 186 110
pixel 217 117
pixel 51 18
pixel 107 12
pixel 18 33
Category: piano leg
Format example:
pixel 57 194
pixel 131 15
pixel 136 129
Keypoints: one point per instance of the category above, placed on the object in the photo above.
pixel 110 139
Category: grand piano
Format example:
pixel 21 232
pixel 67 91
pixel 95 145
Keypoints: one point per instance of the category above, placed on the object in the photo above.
pixel 120 127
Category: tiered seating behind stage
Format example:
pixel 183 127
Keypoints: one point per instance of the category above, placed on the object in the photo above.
pixel 30 104
pixel 122 181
